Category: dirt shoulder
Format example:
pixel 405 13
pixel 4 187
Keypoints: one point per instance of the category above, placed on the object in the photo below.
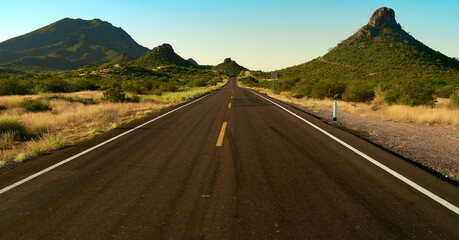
pixel 433 148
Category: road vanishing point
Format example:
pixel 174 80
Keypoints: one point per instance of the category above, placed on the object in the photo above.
pixel 233 164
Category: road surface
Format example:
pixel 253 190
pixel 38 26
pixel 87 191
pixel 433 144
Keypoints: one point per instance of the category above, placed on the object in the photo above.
pixel 231 165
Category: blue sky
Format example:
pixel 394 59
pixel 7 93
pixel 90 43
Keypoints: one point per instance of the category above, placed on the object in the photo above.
pixel 264 35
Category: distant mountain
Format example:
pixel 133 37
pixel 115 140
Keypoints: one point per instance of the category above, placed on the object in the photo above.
pixel 229 67
pixel 67 44
pixel 162 55
pixel 380 53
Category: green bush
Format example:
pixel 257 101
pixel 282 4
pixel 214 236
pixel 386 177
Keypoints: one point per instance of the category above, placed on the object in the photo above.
pixel 327 90
pixel 57 85
pixel 2 107
pixel 199 82
pixel 413 93
pixel 358 93
pixel 115 94
pixel 84 84
pixel 249 81
pixel 34 105
pixel 10 124
pixel 133 98
pixel 168 87
pixel 10 86
pixel 455 97
pixel 299 95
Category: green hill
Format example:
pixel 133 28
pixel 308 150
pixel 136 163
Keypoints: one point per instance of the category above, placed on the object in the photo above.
pixel 72 42
pixel 229 67
pixel 160 56
pixel 380 57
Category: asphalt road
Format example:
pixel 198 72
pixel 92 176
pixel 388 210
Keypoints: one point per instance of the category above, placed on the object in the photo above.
pixel 215 170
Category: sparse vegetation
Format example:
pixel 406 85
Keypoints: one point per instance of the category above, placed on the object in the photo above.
pixel 12 127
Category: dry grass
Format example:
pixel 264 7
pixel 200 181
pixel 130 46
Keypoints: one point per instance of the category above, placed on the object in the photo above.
pixel 72 122
pixel 181 96
pixel 444 113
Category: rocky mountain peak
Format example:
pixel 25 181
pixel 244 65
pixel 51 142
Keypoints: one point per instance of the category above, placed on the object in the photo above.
pixel 163 48
pixel 227 60
pixel 383 16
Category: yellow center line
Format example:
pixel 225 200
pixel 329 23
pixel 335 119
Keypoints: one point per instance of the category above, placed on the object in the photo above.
pixel 229 105
pixel 222 134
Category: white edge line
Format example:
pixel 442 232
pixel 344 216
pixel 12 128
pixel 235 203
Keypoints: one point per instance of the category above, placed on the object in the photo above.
pixel 3 190
pixel 380 165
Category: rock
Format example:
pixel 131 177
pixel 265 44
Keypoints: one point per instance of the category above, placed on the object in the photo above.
pixel 192 61
pixel 164 47
pixel 227 60
pixel 383 16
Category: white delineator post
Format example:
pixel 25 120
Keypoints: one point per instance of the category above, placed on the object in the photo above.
pixel 115 116
pixel 335 111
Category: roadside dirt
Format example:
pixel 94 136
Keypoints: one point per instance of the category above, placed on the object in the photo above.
pixel 433 148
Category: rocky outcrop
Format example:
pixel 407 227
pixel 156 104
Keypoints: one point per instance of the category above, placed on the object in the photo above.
pixel 192 61
pixel 382 22
pixel 163 48
pixel 383 16
pixel 227 60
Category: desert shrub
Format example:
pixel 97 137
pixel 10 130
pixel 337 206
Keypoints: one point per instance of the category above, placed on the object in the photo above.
pixel 288 84
pixel 34 105
pixel 199 82
pixel 57 85
pixel 9 86
pixel 299 95
pixel 168 87
pixel 115 93
pixel 136 86
pixel 413 93
pixel 2 107
pixel 455 97
pixel 133 98
pixel 249 81
pixel 447 91
pixel 328 90
pixel 84 84
pixel 358 93
pixel 12 125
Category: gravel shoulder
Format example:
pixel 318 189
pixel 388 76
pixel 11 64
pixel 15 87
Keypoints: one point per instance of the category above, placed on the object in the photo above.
pixel 434 148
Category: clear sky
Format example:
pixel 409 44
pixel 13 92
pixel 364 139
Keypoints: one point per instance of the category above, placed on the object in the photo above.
pixel 258 34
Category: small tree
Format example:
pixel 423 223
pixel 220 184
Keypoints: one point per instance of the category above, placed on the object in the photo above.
pixel 358 92
pixel 115 93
